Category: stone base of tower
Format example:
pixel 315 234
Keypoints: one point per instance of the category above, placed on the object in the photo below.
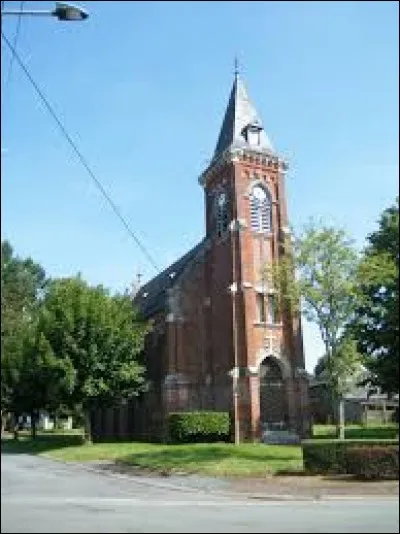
pixel 280 437
pixel 291 427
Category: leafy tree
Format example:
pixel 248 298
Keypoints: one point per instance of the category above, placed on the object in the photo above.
pixel 43 380
pixel 316 275
pixel 348 365
pixel 320 367
pixel 343 372
pixel 376 325
pixel 11 367
pixel 22 285
pixel 101 335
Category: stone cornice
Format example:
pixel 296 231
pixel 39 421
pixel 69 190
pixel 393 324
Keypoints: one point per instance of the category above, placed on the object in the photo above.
pixel 246 155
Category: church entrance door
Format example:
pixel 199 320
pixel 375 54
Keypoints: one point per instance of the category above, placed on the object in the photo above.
pixel 273 396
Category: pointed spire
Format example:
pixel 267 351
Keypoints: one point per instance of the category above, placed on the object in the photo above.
pixel 240 113
pixel 236 67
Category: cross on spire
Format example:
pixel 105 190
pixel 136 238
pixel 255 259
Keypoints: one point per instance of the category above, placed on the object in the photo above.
pixel 236 67
pixel 135 286
pixel 239 114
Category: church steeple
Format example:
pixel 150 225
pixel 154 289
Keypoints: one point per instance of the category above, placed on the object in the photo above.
pixel 241 127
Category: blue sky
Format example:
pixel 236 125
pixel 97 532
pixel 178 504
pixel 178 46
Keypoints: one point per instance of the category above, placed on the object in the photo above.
pixel 142 87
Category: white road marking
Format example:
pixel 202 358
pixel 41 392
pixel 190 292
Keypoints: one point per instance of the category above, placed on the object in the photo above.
pixel 140 502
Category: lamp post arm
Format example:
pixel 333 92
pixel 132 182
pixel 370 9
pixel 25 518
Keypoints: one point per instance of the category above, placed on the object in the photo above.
pixel 63 12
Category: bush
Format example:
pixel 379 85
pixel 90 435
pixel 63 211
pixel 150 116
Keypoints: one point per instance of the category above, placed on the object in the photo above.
pixel 198 427
pixel 330 456
pixel 374 462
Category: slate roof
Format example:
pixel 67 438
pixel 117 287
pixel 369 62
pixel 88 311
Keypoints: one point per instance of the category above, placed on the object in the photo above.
pixel 240 112
pixel 152 297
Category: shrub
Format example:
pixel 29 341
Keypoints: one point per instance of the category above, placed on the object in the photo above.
pixel 330 456
pixel 198 427
pixel 374 462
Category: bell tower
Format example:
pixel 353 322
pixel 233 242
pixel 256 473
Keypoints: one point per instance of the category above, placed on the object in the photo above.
pixel 254 351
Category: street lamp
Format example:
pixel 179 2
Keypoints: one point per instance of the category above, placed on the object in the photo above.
pixel 64 12
pixel 234 227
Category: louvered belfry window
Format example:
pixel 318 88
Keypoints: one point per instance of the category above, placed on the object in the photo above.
pixel 260 210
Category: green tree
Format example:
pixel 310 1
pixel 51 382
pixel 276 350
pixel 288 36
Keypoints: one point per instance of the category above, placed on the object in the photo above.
pixel 101 335
pixel 320 367
pixel 349 364
pixel 342 373
pixel 376 325
pixel 43 379
pixel 316 275
pixel 22 285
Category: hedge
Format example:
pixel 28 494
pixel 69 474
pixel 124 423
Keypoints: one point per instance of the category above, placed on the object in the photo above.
pixel 374 462
pixel 331 456
pixel 198 427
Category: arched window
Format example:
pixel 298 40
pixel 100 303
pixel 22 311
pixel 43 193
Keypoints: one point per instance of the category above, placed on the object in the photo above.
pixel 221 207
pixel 260 209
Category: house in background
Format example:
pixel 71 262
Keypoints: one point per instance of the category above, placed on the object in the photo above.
pixel 219 341
pixel 44 422
pixel 360 405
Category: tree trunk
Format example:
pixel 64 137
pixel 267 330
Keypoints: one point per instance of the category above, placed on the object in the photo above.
pixel 15 427
pixel 335 404
pixel 341 419
pixel 33 425
pixel 87 432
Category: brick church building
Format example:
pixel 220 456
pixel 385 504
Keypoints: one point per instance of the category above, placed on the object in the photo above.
pixel 219 341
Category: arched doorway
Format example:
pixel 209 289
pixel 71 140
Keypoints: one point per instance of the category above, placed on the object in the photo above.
pixel 273 396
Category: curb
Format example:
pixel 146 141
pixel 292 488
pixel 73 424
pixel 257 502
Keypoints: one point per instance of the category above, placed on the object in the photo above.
pixel 231 493
pixel 227 493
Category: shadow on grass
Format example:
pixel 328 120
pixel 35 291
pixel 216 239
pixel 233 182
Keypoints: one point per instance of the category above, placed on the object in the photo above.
pixel 42 443
pixel 219 458
pixel 158 453
pixel 192 457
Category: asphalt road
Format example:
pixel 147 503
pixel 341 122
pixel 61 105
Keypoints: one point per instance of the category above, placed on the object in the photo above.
pixel 39 495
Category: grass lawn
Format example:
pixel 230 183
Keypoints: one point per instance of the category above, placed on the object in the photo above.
pixel 388 431
pixel 212 459
pixel 221 459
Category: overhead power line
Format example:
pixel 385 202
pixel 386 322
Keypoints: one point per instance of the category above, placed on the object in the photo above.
pixel 79 154
pixel 15 42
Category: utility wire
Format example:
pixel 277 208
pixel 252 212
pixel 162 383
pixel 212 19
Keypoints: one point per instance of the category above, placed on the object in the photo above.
pixel 15 42
pixel 79 154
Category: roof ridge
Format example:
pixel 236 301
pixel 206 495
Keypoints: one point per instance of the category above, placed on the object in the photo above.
pixel 152 295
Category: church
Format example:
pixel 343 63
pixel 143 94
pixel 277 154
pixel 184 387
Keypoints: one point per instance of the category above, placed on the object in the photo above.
pixel 219 340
